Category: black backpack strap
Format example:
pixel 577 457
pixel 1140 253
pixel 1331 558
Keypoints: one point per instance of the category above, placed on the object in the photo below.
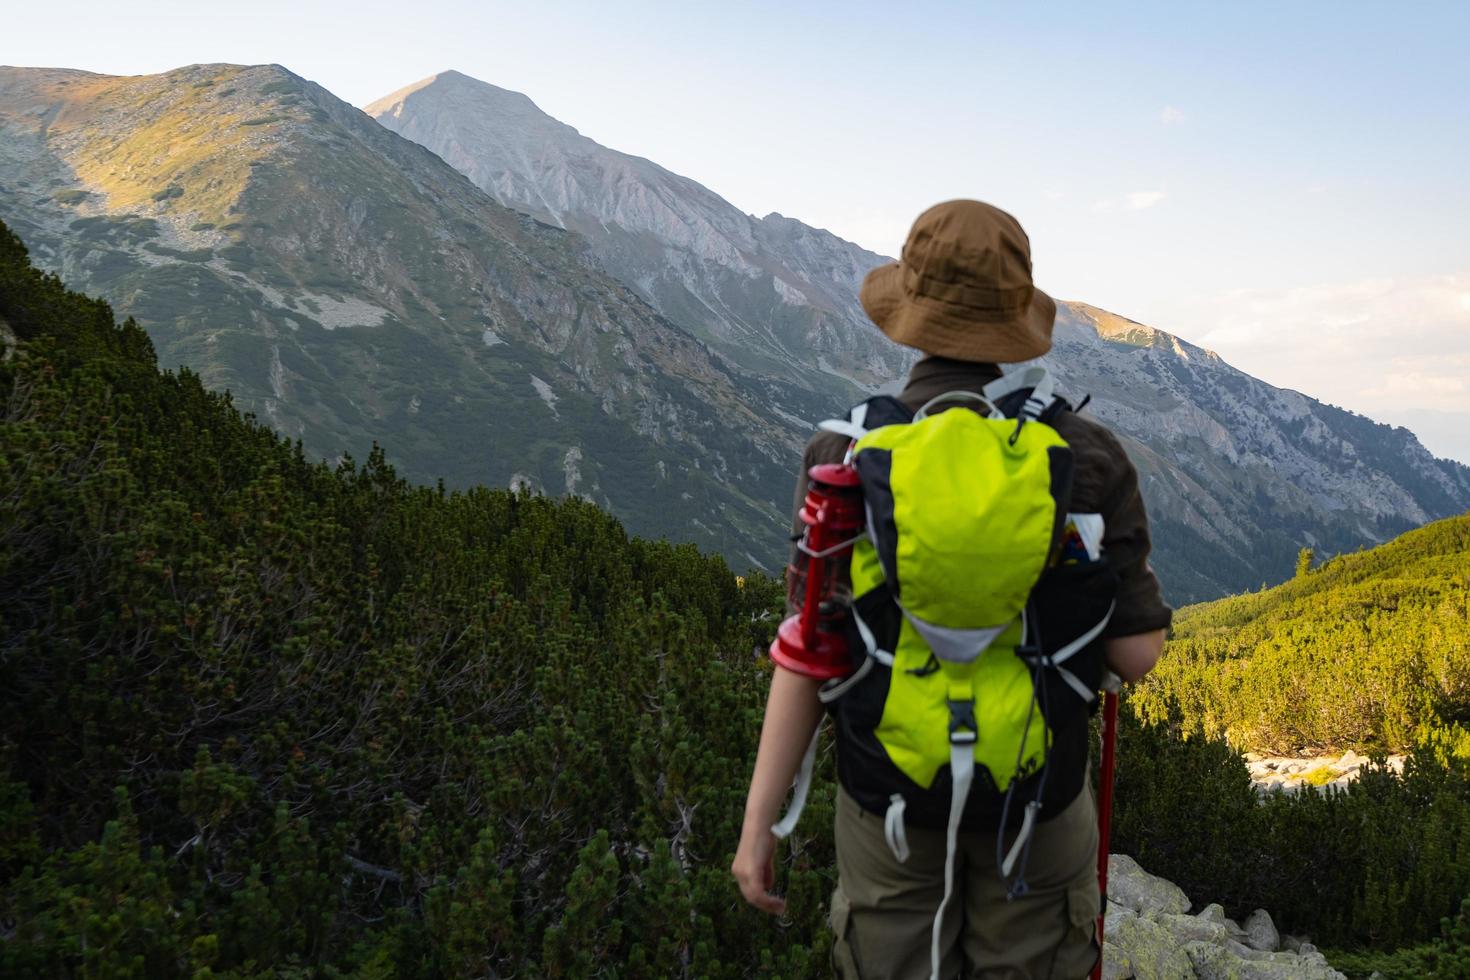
pixel 1057 407
pixel 876 412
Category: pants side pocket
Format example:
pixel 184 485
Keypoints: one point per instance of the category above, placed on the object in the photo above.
pixel 844 957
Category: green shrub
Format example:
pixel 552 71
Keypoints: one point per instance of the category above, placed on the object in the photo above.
pixel 357 726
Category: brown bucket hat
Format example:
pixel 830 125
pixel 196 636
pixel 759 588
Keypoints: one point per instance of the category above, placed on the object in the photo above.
pixel 962 288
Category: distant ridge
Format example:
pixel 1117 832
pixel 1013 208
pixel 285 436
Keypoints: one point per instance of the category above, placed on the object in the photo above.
pixel 1237 474
pixel 779 295
pixel 349 286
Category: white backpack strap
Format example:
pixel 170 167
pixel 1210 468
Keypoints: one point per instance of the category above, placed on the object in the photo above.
pixel 893 832
pixel 962 772
pixel 783 828
pixel 1055 660
pixel 838 686
pixel 884 657
pixel 957 398
pixel 852 426
pixel 1028 823
pixel 1036 378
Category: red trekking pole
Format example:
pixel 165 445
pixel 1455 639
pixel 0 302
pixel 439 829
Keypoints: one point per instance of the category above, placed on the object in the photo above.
pixel 1105 807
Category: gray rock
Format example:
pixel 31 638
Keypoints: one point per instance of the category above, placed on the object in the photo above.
pixel 1192 928
pixel 1211 962
pixel 1292 944
pixel 1117 964
pixel 1153 952
pixel 1130 885
pixel 1260 932
pixel 1114 914
pixel 1214 912
pixel 1245 952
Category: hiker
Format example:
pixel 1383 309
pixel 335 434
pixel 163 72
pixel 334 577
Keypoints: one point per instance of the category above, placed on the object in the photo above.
pixel 1027 906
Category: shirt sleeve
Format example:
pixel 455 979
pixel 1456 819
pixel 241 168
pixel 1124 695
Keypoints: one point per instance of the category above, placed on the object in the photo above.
pixel 1126 541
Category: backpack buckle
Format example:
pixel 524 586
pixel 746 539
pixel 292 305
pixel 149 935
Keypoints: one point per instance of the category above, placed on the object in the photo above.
pixel 962 726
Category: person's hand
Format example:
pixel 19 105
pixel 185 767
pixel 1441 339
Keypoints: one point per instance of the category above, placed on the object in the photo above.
pixel 755 869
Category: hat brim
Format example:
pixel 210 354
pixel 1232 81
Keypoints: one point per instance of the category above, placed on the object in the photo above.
pixel 950 330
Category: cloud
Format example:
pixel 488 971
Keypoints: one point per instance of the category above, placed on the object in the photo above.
pixel 1136 201
pixel 1395 349
pixel 1172 116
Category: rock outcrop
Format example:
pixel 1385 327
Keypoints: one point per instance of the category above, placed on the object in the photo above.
pixel 1291 774
pixel 1150 935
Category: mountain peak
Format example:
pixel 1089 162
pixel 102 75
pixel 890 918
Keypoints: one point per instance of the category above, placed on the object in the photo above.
pixel 453 90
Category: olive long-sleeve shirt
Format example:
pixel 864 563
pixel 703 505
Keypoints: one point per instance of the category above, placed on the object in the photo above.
pixel 1103 482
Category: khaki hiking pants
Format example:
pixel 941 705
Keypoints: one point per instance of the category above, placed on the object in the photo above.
pixel 883 911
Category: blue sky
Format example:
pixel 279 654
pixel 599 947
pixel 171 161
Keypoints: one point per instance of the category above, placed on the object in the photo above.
pixel 1281 182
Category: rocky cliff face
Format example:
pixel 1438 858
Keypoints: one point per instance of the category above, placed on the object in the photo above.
pixel 778 295
pixel 1239 475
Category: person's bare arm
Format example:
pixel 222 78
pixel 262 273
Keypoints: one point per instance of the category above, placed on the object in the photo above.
pixel 793 712
pixel 1130 657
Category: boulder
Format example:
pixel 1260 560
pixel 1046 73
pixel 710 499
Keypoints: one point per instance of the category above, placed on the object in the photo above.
pixel 1214 912
pixel 1211 962
pixel 1192 928
pixel 1245 952
pixel 1153 953
pixel 1260 932
pixel 1115 913
pixel 1117 965
pixel 1135 888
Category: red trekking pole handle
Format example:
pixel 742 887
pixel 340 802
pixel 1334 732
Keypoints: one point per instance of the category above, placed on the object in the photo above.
pixel 1105 813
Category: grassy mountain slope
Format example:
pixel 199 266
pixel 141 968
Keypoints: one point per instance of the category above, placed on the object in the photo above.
pixel 1370 649
pixel 346 285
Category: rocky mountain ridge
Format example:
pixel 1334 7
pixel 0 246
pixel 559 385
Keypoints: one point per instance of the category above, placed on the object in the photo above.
pixel 1238 474
pixel 772 291
pixel 349 286
pixel 1232 468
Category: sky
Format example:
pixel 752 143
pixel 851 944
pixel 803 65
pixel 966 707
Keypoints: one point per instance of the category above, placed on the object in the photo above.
pixel 1284 183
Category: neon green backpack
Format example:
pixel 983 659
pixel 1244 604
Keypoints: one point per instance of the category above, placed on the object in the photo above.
pixel 979 605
